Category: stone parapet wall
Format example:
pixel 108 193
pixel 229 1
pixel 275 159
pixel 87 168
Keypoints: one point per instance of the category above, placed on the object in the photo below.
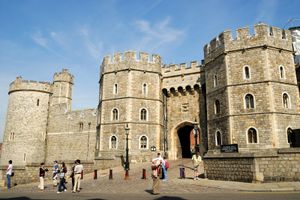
pixel 264 166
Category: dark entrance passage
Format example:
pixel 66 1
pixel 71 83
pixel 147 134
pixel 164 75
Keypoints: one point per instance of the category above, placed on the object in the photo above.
pixel 184 135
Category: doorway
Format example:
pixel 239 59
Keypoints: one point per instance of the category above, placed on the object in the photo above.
pixel 186 140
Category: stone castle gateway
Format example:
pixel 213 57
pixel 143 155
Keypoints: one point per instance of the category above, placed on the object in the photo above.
pixel 245 92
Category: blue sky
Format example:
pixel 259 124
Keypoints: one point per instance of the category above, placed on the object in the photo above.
pixel 39 37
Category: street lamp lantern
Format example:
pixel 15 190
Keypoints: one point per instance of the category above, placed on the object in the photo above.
pixel 196 135
pixel 127 159
pixel 153 148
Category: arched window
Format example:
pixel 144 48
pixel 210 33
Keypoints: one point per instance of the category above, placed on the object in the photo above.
pixel 252 135
pixel 143 142
pixel 12 136
pixel 80 126
pixel 38 102
pixel 115 115
pixel 113 142
pixel 286 100
pixel 217 107
pixel 215 80
pixel 249 101
pixel 281 72
pixel 218 138
pixel 144 89
pixel 247 72
pixel 115 88
pixel 144 114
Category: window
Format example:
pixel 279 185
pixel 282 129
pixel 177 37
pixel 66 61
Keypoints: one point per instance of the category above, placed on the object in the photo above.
pixel 218 138
pixel 286 100
pixel 215 80
pixel 281 72
pixel 115 88
pixel 38 102
pixel 252 136
pixel 24 157
pixel 246 72
pixel 143 142
pixel 113 142
pixel 144 89
pixel 115 115
pixel 80 126
pixel 143 114
pixel 249 101
pixel 217 107
pixel 12 136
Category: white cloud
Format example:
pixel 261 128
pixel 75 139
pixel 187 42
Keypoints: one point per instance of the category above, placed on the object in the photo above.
pixel 93 46
pixel 39 39
pixel 157 35
pixel 59 38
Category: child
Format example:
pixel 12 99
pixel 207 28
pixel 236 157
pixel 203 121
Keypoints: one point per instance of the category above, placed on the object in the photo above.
pixel 61 186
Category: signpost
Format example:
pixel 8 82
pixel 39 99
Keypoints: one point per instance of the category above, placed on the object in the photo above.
pixel 229 148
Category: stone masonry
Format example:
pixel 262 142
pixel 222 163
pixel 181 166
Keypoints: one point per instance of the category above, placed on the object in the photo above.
pixel 244 92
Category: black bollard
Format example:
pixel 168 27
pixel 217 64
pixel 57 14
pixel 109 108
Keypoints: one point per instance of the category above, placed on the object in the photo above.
pixel 110 174
pixel 95 174
pixel 182 172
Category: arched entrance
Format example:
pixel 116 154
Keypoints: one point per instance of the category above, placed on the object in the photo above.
pixel 186 144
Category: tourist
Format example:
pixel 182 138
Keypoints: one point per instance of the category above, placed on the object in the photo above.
pixel 165 167
pixel 61 177
pixel 77 172
pixel 156 169
pixel 42 173
pixel 54 177
pixel 72 175
pixel 9 173
pixel 196 162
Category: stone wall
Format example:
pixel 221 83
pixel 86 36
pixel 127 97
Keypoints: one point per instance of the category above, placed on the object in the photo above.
pixel 264 166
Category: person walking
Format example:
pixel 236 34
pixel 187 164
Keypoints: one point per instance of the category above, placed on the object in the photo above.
pixel 165 167
pixel 61 186
pixel 55 169
pixel 156 169
pixel 196 162
pixel 42 173
pixel 77 172
pixel 72 175
pixel 9 173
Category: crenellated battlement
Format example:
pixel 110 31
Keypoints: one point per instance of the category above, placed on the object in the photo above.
pixel 29 85
pixel 181 68
pixel 263 35
pixel 132 56
pixel 63 76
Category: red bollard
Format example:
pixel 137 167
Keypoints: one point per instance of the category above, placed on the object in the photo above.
pixel 95 174
pixel 110 174
pixel 81 175
pixel 144 174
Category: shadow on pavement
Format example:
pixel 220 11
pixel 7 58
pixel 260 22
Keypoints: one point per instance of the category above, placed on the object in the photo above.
pixel 17 198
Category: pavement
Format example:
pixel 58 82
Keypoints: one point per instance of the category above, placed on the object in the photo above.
pixel 175 185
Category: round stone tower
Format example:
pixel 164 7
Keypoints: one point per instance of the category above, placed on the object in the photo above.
pixel 26 122
pixel 62 89
pixel 130 94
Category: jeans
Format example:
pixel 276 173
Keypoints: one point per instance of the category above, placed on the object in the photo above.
pixel 8 181
pixel 165 172
pixel 61 187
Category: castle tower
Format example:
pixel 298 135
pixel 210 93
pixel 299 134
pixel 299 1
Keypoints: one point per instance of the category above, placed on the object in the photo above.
pixel 130 94
pixel 26 122
pixel 62 89
pixel 251 89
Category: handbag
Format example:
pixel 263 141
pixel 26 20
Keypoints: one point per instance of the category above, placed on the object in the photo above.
pixel 12 173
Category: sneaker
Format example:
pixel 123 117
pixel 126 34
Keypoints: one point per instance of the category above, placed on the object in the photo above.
pixel 73 191
pixel 58 192
pixel 65 190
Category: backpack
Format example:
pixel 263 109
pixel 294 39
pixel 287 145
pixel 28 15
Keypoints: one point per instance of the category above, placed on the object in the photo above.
pixel 167 165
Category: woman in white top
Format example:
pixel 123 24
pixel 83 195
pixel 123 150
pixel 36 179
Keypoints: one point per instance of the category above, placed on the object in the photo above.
pixel 9 172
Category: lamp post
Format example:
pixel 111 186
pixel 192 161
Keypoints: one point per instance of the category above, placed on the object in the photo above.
pixel 196 135
pixel 127 159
